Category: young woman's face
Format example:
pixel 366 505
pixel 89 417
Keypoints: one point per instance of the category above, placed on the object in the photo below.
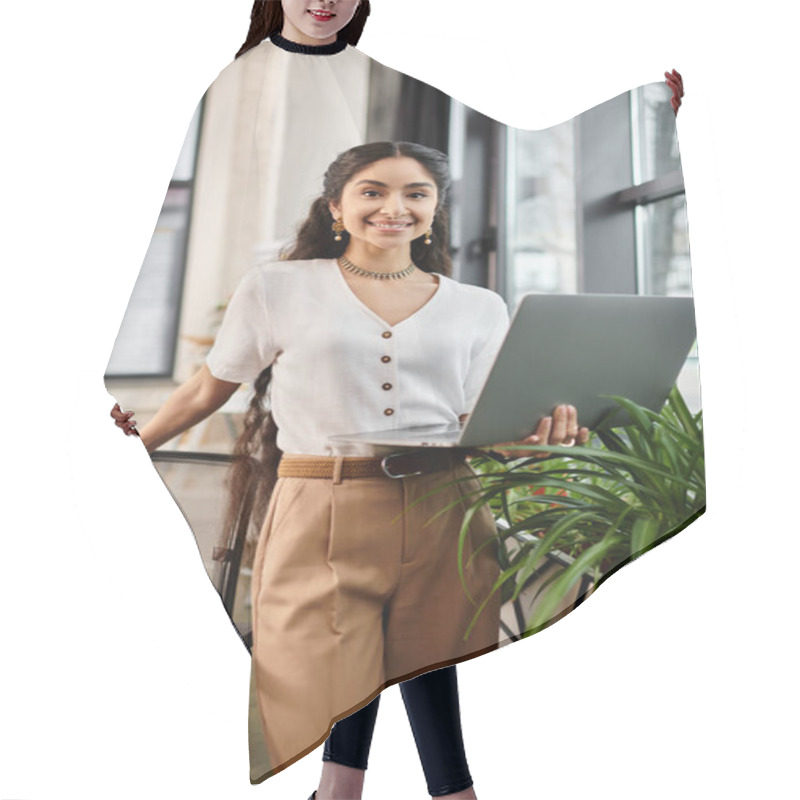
pixel 316 21
pixel 389 203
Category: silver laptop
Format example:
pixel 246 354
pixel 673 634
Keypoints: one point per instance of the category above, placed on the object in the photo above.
pixel 575 349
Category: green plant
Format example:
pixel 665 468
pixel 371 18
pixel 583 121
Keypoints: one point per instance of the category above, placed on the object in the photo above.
pixel 602 504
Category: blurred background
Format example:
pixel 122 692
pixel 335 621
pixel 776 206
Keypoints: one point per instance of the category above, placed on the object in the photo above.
pixel 594 204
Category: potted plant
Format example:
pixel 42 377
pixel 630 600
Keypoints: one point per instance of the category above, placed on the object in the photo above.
pixel 570 521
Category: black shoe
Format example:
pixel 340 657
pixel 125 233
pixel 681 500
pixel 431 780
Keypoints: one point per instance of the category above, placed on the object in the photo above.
pixel 313 795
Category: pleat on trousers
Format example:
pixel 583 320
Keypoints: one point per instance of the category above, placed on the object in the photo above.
pixel 356 586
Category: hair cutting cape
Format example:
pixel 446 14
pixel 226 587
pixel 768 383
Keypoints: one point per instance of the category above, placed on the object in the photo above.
pixel 594 204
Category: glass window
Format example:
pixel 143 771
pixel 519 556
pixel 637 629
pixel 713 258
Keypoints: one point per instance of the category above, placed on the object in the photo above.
pixel 626 181
pixel 663 265
pixel 662 248
pixel 541 219
pixel 662 242
pixel 145 344
pixel 655 137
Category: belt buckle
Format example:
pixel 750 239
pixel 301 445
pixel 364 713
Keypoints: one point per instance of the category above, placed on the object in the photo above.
pixel 385 462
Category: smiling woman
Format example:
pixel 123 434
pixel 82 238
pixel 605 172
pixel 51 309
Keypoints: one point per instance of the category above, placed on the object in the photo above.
pixel 306 22
pixel 393 198
pixel 316 22
pixel 346 599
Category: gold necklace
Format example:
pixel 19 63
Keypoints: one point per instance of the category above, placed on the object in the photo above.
pixel 345 263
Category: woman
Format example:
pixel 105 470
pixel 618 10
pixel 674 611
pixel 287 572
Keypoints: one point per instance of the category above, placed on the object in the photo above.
pixel 349 350
pixel 311 26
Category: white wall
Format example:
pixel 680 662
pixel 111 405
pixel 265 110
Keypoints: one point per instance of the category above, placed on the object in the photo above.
pixel 265 114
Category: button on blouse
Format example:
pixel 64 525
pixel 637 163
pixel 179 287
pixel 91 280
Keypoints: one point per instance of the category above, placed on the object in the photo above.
pixel 329 354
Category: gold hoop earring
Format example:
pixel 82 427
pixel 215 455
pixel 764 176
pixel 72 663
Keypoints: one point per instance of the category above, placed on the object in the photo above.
pixel 338 229
pixel 428 236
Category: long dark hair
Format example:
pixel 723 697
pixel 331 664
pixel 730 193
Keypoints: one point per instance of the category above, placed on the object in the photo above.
pixel 316 240
pixel 266 19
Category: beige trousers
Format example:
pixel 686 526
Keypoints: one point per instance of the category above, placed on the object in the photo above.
pixel 356 586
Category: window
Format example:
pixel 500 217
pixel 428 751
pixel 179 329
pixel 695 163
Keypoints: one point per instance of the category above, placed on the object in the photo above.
pixel 145 344
pixel 540 227
pixel 662 252
pixel 597 203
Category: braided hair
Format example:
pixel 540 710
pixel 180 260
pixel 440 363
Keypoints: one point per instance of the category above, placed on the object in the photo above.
pixel 315 240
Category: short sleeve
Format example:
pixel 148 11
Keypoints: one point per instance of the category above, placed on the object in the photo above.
pixel 244 344
pixel 494 328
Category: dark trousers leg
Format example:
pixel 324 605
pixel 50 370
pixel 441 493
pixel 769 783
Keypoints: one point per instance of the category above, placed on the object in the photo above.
pixel 431 702
pixel 351 738
pixel 433 711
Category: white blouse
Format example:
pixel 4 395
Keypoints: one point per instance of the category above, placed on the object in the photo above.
pixel 338 368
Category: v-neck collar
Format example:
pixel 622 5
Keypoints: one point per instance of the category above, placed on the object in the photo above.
pixel 354 298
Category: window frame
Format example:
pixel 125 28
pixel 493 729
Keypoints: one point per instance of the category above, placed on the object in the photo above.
pixel 178 268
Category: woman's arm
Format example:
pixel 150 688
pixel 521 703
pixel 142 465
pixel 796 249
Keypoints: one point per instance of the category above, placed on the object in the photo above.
pixel 191 403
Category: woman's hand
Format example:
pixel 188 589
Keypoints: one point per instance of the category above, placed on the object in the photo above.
pixel 559 429
pixel 190 403
pixel 124 420
pixel 675 82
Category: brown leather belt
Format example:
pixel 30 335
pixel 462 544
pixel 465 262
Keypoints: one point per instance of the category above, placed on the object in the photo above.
pixel 397 465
